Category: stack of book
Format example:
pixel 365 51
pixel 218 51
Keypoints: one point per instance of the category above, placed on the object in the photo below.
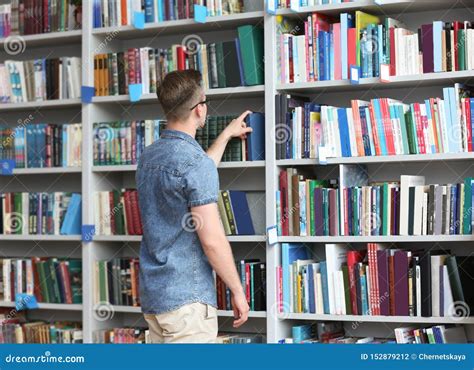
pixel 117 282
pixel 321 332
pixel 238 62
pixel 324 48
pixel 42 145
pixel 50 280
pixel 285 4
pixel 382 126
pixel 121 13
pixel 23 17
pixel 123 142
pixel 16 331
pixel 307 207
pixel 121 336
pixel 253 276
pixel 240 338
pixel 375 281
pixel 40 79
pixel 56 213
pixel 117 212
pixel 236 215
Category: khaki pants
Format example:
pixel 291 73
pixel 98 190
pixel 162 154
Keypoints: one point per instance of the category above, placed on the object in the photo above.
pixel 191 323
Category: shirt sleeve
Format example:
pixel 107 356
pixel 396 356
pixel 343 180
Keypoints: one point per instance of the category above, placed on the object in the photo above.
pixel 201 185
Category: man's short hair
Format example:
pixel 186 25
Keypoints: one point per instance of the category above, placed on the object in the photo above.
pixel 178 92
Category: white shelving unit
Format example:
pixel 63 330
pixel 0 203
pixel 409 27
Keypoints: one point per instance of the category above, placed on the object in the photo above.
pixel 250 176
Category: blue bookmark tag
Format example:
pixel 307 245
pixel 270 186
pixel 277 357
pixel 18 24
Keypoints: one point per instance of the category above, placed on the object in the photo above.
pixel 7 166
pixel 355 75
pixel 272 7
pixel 87 93
pixel 139 20
pixel 88 232
pixel 272 235
pixel 135 92
pixel 200 13
pixel 25 301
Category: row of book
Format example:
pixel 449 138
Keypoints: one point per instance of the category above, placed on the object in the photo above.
pixel 308 207
pixel 286 4
pixel 117 212
pixel 117 282
pixel 50 280
pixel 240 338
pixel 121 13
pixel 379 280
pixel 236 216
pixel 40 79
pixel 238 62
pixel 252 274
pixel 324 47
pixel 57 213
pixel 28 17
pixel 334 333
pixel 42 145
pixel 126 335
pixel 18 331
pixel 382 126
pixel 123 142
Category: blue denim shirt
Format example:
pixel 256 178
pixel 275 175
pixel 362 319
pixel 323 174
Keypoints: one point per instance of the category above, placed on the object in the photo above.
pixel 174 174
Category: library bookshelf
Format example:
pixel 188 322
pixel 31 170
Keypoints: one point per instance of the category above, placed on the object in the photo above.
pixel 249 176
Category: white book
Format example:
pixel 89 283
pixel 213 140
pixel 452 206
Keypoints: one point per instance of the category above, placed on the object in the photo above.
pixel 29 277
pixel 418 290
pixel 315 268
pixel 352 134
pixel 436 262
pixel 448 307
pixel 418 210
pixel 424 225
pixel 447 207
pixel 7 280
pixel 336 255
pixel 405 183
pixel 292 301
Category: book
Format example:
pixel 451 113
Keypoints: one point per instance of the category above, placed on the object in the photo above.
pixel 50 280
pixel 121 335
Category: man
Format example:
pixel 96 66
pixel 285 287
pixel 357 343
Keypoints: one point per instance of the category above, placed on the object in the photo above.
pixel 183 238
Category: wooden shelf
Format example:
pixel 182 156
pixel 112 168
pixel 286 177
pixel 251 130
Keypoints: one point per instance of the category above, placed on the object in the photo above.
pixel 218 23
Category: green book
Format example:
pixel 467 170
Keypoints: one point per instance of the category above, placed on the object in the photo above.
pixel 467 211
pixel 102 266
pixel 461 45
pixel 326 212
pixel 52 280
pixel 251 51
pixel 75 277
pixel 43 282
pixel 401 114
pixel 411 131
pixel 454 279
pixel 221 79
pixel 18 209
pixel 252 288
pixel 347 289
pixel 229 213
pixel 312 185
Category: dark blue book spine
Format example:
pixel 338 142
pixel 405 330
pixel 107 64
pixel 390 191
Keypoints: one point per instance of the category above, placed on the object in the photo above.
pixel 327 53
pixel 324 284
pixel 289 154
pixel 321 50
pixel 311 289
pixel 149 11
pixel 239 60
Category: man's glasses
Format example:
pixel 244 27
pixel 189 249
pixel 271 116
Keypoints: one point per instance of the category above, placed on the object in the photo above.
pixel 201 102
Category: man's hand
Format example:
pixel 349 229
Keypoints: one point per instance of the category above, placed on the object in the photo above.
pixel 241 309
pixel 237 127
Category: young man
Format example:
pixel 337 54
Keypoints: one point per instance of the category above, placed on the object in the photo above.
pixel 183 238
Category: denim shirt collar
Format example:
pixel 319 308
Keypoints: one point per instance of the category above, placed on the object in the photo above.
pixel 175 134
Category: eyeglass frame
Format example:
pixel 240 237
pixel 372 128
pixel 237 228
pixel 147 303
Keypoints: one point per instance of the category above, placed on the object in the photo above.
pixel 201 102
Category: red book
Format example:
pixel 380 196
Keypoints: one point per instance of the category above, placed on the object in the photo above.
pixel 353 258
pixel 290 59
pixel 138 66
pixel 36 279
pixel 247 282
pixel 123 10
pixel 137 222
pixel 131 66
pixel 49 147
pixel 346 211
pixel 467 107
pixel 351 47
pixel 375 133
pixel 134 141
pixel 456 27
pixel 393 69
pixel 218 291
pixel 387 126
pixel 181 58
pixel 419 129
pixel 45 16
pixel 112 218
pixel 128 212
pixel 284 203
pixel 64 271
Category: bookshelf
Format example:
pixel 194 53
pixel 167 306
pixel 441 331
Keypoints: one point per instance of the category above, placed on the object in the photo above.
pixel 249 176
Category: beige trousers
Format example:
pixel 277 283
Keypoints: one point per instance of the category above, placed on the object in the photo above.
pixel 191 323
